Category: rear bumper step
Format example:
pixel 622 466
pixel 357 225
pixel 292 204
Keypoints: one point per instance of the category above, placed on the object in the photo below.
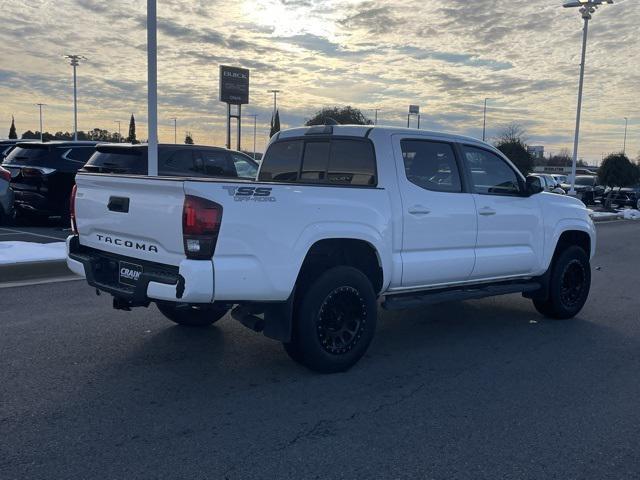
pixel 416 299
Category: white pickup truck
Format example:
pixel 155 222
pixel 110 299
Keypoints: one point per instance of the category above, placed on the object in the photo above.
pixel 339 217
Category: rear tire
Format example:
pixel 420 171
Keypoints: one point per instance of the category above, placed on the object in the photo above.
pixel 193 315
pixel 334 321
pixel 569 285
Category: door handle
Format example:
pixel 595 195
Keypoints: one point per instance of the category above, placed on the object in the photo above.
pixel 419 210
pixel 486 212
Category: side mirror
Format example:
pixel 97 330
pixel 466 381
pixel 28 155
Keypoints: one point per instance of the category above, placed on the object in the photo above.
pixel 534 185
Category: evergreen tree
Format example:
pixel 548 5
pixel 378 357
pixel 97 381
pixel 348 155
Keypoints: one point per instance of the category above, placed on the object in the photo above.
pixel 132 131
pixel 275 124
pixel 12 130
pixel 512 142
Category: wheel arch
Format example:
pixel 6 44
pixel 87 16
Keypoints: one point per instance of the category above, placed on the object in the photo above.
pixel 330 252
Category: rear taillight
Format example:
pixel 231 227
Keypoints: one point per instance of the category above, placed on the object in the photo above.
pixel 72 210
pixel 201 219
pixel 5 174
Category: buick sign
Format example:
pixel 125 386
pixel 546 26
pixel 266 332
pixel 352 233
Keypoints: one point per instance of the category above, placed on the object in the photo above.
pixel 234 85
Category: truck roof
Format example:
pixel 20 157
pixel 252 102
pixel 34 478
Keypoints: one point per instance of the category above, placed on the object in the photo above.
pixel 367 130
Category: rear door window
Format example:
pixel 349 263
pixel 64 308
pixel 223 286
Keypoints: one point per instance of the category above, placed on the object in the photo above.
pixel 244 167
pixel 179 162
pixel 214 163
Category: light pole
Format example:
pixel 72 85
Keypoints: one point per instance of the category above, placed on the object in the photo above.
pixel 376 110
pixel 175 130
pixel 40 105
pixel 275 100
pixel 587 9
pixel 484 120
pixel 624 145
pixel 152 88
pixel 255 126
pixel 119 135
pixel 74 61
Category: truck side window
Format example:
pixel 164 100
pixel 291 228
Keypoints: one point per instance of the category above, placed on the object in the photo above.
pixel 490 174
pixel 352 162
pixel 281 162
pixel 315 161
pixel 431 165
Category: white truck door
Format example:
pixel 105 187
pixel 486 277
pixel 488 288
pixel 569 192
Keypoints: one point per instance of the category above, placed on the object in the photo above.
pixel 439 217
pixel 510 225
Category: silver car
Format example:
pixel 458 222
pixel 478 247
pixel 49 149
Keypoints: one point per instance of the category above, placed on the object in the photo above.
pixel 7 212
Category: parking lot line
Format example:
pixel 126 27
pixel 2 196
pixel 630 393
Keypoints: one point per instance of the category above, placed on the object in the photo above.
pixel 26 283
pixel 50 237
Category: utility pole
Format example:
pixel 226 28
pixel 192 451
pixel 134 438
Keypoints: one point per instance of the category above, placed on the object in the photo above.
pixel 587 9
pixel 484 120
pixel 255 125
pixel 119 135
pixel 175 130
pixel 624 145
pixel 40 105
pixel 74 61
pixel 275 100
pixel 152 87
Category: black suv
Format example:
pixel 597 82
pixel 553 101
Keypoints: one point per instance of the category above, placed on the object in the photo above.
pixel 173 160
pixel 43 174
pixel 588 189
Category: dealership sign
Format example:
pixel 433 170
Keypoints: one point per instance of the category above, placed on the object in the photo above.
pixel 414 109
pixel 234 85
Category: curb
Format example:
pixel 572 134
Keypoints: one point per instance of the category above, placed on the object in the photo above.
pixel 20 272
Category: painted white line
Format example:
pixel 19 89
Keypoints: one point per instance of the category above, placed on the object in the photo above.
pixel 41 281
pixel 33 234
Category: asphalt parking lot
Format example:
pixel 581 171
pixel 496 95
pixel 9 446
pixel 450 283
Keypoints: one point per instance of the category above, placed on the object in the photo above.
pixel 41 233
pixel 480 389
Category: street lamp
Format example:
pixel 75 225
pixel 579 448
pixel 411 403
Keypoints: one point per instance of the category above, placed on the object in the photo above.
pixel 587 9
pixel 275 100
pixel 40 105
pixel 74 61
pixel 624 145
pixel 119 136
pixel 152 88
pixel 375 122
pixel 484 120
pixel 175 130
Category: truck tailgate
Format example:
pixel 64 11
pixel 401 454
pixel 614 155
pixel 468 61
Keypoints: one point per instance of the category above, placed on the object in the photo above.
pixel 133 217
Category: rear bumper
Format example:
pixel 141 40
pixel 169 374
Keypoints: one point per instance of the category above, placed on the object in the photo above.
pixel 190 282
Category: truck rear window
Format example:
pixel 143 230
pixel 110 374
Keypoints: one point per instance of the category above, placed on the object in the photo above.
pixel 328 161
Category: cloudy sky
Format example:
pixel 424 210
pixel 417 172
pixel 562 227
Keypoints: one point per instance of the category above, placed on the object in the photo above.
pixel 445 55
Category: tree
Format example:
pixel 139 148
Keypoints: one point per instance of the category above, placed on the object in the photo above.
pixel 562 159
pixel 188 139
pixel 617 171
pixel 275 124
pixel 12 130
pixel 131 138
pixel 343 115
pixel 511 142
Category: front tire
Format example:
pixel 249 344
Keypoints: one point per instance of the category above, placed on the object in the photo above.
pixel 569 285
pixel 193 315
pixel 334 322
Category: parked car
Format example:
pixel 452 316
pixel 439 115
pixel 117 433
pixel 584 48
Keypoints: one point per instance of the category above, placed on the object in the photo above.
pixel 43 174
pixel 624 197
pixel 588 189
pixel 173 160
pixel 7 211
pixel 549 184
pixel 7 145
pixel 339 216
pixel 560 179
